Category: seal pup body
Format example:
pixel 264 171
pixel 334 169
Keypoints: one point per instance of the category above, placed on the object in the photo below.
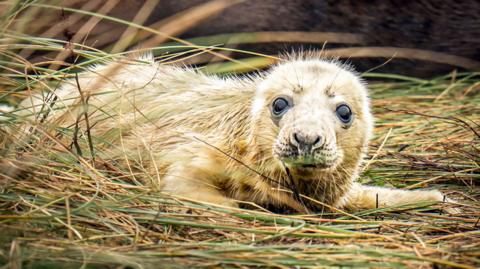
pixel 291 137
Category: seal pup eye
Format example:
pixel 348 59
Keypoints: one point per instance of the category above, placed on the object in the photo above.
pixel 280 106
pixel 344 113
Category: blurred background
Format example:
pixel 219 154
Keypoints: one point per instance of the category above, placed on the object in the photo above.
pixel 417 38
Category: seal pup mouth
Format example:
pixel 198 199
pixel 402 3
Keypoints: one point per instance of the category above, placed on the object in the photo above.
pixel 309 161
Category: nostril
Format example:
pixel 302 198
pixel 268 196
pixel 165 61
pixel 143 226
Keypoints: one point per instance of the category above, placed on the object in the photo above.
pixel 296 138
pixel 317 140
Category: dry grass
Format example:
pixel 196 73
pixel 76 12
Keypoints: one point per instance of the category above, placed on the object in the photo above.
pixel 62 209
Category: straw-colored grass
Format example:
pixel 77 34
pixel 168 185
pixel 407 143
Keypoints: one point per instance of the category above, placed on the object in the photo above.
pixel 62 209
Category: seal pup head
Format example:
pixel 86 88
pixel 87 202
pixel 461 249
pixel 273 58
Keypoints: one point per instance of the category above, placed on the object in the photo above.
pixel 312 114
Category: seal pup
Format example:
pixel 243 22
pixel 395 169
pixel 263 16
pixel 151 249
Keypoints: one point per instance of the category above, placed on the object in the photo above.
pixel 290 137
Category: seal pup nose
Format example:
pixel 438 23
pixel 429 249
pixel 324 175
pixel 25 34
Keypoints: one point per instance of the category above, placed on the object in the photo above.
pixel 306 142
